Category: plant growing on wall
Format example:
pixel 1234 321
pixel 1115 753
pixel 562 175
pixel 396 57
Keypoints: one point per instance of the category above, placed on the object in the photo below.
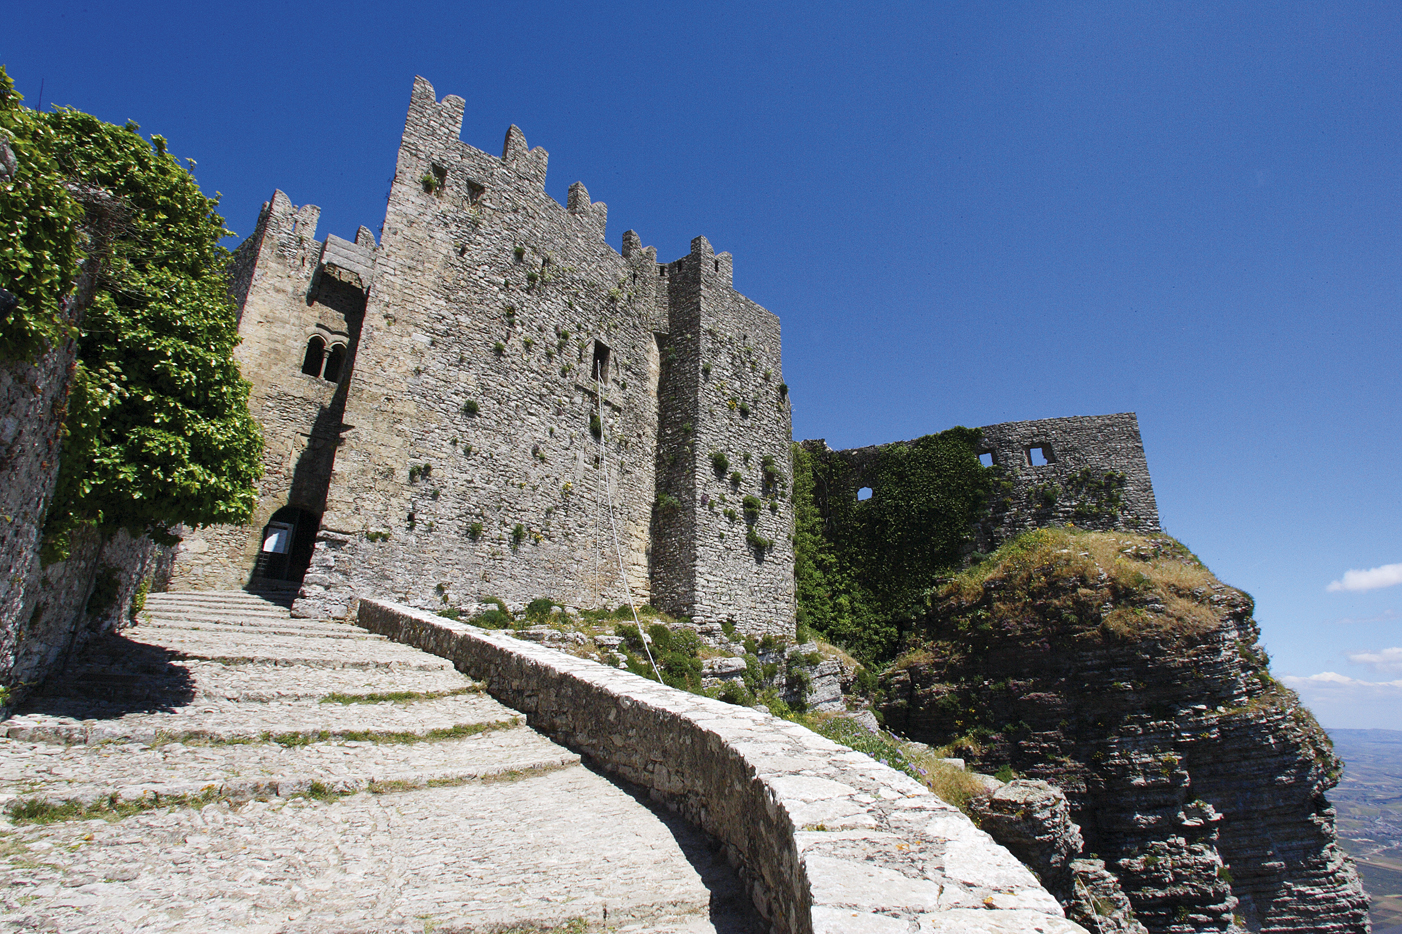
pixel 772 477
pixel 39 232
pixel 751 505
pixel 158 431
pixel 719 463
pixel 860 574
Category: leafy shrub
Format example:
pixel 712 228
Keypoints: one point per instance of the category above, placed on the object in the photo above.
pixel 719 463
pixel 752 506
pixel 493 619
pixel 39 234
pixel 158 431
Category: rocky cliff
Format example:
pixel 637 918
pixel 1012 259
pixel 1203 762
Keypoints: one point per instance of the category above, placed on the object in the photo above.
pixel 1117 668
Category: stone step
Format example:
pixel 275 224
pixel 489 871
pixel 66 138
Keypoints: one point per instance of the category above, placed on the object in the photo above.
pixel 244 646
pixel 135 773
pixel 545 852
pixel 276 628
pixel 173 607
pixel 225 596
pixel 225 721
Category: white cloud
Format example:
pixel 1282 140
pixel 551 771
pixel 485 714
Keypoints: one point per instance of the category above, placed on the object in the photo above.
pixel 1348 703
pixel 1386 576
pixel 1386 662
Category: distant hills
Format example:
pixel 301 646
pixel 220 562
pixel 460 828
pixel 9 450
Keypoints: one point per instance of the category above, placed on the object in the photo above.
pixel 1369 802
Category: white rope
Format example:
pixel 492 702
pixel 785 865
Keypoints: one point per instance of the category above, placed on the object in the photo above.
pixel 1090 900
pixel 618 549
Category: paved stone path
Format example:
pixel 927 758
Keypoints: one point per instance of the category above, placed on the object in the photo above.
pixel 222 767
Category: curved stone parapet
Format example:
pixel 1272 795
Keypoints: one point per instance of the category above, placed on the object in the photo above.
pixel 828 840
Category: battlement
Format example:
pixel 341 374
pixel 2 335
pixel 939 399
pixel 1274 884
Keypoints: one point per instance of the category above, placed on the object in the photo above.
pixel 506 388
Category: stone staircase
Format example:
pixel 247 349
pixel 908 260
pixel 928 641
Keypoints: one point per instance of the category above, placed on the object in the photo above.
pixel 222 766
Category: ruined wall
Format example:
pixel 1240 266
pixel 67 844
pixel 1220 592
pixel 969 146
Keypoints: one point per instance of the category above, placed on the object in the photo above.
pixel 503 422
pixel 1095 476
pixel 289 288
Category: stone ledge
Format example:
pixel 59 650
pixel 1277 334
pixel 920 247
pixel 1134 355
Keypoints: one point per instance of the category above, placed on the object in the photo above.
pixel 826 839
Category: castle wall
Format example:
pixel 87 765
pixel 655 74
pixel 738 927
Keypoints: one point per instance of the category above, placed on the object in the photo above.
pixel 1096 477
pixel 289 288
pixel 518 386
pixel 722 395
pixel 470 412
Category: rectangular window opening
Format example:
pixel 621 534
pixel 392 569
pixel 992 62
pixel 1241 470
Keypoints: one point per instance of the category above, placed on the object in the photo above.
pixel 600 370
pixel 986 458
pixel 1040 455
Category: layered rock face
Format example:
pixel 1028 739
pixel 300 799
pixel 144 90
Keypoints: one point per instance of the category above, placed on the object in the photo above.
pixel 1033 820
pixel 1120 670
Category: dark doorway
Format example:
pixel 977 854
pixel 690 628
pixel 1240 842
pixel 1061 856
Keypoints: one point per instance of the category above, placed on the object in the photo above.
pixel 287 543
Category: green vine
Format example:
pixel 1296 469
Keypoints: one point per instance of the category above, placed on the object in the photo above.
pixel 39 232
pixel 861 569
pixel 158 431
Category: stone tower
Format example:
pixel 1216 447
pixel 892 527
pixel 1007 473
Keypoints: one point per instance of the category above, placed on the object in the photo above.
pixel 516 409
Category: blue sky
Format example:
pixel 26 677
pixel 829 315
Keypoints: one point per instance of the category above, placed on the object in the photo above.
pixel 963 214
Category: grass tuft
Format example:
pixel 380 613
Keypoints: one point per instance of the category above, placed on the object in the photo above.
pixel 338 698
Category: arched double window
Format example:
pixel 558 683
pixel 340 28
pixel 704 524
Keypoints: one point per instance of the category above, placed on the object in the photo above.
pixel 323 363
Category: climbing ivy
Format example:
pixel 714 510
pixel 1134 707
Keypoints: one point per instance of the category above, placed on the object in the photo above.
pixel 862 568
pixel 39 233
pixel 158 430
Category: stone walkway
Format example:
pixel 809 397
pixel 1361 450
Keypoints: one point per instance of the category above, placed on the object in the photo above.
pixel 222 767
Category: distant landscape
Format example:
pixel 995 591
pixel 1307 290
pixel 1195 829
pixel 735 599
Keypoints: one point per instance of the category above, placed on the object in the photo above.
pixel 1369 802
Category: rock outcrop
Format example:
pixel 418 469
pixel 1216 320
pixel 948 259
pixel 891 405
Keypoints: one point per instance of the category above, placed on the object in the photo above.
pixel 1033 820
pixel 1120 670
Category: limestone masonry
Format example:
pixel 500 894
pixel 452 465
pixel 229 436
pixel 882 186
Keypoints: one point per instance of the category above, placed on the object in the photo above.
pixel 492 401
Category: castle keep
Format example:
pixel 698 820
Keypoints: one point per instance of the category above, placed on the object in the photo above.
pixel 493 401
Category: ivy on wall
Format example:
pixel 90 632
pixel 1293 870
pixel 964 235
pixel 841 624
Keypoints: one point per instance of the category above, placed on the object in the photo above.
pixel 39 232
pixel 157 429
pixel 862 567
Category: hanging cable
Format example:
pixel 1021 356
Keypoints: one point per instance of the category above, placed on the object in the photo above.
pixel 617 548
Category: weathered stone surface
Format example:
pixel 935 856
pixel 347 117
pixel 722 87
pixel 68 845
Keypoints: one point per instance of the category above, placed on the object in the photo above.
pixel 803 817
pixel 519 410
pixel 1033 820
pixel 502 829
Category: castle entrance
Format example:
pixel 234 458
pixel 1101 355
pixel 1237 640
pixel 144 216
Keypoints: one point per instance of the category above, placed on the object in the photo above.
pixel 288 540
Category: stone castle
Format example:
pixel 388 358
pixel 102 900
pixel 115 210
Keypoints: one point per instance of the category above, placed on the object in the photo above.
pixel 493 401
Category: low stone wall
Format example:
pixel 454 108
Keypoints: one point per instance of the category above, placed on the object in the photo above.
pixel 826 839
